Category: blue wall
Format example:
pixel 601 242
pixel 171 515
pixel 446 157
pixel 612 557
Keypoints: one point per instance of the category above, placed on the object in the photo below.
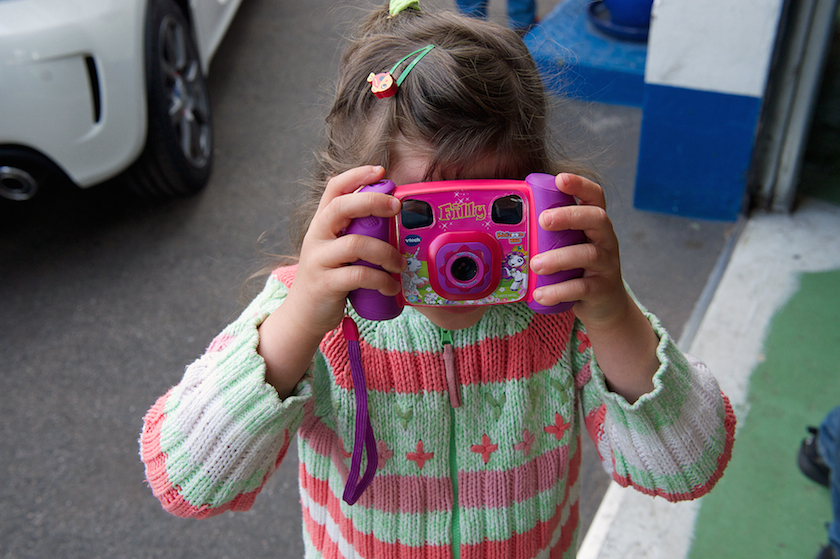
pixel 695 151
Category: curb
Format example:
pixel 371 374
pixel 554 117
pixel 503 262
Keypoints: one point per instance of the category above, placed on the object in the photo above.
pixel 755 275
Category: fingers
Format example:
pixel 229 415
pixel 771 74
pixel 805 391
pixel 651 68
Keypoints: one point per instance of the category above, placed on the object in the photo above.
pixel 350 181
pixel 599 257
pixel 588 192
pixel 336 216
pixel 590 216
pixel 340 204
pixel 592 220
pixel 338 207
pixel 328 270
pixel 352 248
pixel 349 278
pixel 327 254
pixel 587 256
pixel 579 289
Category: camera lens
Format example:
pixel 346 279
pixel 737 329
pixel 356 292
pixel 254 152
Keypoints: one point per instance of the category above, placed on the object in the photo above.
pixel 464 269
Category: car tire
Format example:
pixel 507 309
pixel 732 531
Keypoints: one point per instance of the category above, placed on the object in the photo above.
pixel 178 154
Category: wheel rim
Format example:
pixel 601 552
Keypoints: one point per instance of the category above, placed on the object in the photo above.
pixel 189 108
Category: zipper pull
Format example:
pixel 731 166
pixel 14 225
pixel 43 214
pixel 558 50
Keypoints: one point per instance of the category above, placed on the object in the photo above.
pixel 451 370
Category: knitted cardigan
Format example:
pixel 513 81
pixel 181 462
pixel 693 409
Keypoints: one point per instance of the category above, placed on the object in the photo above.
pixel 497 477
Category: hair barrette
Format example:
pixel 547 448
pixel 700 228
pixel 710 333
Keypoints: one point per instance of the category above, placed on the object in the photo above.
pixel 384 84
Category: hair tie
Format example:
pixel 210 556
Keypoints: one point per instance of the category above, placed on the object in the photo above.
pixel 396 6
pixel 384 85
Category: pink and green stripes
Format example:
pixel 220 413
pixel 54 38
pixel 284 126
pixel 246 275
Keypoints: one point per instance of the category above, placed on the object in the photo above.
pixel 497 476
pixel 410 516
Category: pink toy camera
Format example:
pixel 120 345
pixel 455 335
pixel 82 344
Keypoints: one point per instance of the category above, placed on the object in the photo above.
pixel 467 242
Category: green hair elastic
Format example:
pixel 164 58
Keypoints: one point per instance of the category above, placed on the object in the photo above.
pixel 384 85
pixel 396 6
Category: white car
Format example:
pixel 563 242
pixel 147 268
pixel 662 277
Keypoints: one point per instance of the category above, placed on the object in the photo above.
pixel 91 89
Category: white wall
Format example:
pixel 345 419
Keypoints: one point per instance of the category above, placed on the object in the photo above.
pixel 723 46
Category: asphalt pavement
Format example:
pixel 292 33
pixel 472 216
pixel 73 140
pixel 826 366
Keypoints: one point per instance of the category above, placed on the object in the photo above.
pixel 105 300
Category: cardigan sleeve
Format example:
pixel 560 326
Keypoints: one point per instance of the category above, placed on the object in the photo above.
pixel 673 442
pixel 211 442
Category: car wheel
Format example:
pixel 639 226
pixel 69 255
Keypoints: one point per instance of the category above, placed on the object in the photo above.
pixel 178 154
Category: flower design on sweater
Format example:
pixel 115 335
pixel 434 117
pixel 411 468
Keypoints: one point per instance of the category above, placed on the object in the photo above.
pixel 421 456
pixel 584 341
pixel 559 427
pixel 486 448
pixel 405 415
pixel 527 440
pixel 384 453
pixel 496 404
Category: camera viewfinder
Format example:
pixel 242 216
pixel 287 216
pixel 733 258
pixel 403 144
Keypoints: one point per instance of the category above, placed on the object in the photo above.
pixel 416 214
pixel 507 210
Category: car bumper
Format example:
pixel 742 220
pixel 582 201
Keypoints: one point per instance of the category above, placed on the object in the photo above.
pixel 72 83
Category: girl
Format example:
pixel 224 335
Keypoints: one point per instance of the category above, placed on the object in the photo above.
pixel 482 463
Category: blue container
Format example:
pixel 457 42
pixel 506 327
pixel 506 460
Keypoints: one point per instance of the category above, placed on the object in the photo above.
pixel 630 13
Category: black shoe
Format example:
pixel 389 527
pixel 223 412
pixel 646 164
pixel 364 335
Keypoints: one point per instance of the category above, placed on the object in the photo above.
pixel 812 465
pixel 826 553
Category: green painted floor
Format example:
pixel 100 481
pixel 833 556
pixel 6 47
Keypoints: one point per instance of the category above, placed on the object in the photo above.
pixel 763 506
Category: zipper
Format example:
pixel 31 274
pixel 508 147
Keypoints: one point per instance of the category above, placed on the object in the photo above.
pixel 453 475
pixel 455 402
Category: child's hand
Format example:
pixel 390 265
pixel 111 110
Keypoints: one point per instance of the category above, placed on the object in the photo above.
pixel 600 292
pixel 290 336
pixel 622 339
pixel 324 276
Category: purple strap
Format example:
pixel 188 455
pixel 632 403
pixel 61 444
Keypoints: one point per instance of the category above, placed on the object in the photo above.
pixel 364 432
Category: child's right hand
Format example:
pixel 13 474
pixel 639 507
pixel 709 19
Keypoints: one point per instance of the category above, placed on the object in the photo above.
pixel 317 298
pixel 324 276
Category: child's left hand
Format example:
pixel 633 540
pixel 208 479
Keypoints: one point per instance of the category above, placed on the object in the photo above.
pixel 622 339
pixel 600 292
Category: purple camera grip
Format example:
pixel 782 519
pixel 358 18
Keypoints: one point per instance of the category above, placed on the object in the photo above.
pixel 370 303
pixel 547 196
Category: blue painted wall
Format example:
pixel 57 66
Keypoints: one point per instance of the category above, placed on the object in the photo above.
pixel 694 152
pixel 705 82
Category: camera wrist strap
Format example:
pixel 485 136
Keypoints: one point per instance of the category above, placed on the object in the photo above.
pixel 364 439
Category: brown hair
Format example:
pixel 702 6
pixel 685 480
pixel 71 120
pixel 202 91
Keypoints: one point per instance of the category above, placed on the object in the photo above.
pixel 476 94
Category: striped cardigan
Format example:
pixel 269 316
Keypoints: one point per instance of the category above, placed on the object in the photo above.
pixel 497 477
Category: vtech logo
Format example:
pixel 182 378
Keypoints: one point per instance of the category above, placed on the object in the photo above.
pixel 412 240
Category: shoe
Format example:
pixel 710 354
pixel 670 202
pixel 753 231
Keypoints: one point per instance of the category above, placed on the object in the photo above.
pixel 810 462
pixel 826 553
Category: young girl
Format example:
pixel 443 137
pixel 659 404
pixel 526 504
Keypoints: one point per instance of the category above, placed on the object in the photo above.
pixel 488 466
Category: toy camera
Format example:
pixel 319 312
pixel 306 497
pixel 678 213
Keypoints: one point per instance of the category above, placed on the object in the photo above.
pixel 467 242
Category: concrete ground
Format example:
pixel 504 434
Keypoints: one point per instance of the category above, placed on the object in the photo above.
pixel 104 301
pixel 771 331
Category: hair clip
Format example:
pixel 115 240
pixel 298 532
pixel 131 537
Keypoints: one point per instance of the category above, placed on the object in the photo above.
pixel 384 85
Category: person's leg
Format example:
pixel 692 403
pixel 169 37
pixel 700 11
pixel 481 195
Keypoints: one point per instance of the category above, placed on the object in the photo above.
pixel 522 14
pixel 827 446
pixel 473 8
pixel 829 436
